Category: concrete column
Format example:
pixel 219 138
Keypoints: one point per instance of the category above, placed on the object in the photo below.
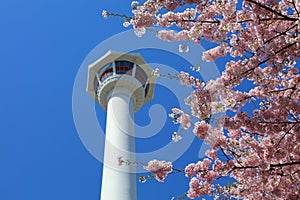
pixel 119 182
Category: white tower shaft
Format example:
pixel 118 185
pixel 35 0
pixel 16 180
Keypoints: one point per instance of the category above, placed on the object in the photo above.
pixel 121 84
pixel 119 182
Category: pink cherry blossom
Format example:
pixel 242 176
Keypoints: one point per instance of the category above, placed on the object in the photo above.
pixel 160 169
pixel 256 141
pixel 201 130
pixel 176 137
pixel 179 116
pixel 197 188
pixel 212 154
pixel 134 4
pixel 155 72
pixel 105 14
pixel 189 170
pixel 213 54
pixel 126 24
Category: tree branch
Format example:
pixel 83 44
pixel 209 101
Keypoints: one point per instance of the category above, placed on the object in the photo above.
pixel 288 46
pixel 224 152
pixel 284 89
pixel 287 122
pixel 283 33
pixel 192 20
pixel 271 165
pixel 284 136
pixel 271 10
pixel 295 7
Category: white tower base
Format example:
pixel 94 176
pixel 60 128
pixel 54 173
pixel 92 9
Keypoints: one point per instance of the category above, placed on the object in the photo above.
pixel 119 182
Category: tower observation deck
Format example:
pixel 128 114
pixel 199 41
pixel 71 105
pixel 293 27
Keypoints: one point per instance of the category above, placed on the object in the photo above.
pixel 121 84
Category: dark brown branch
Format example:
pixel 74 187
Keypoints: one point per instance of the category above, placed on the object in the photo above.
pixel 295 7
pixel 285 164
pixel 287 122
pixel 284 89
pixel 177 170
pixel 120 15
pixel 245 73
pixel 218 21
pixel 288 46
pixel 246 20
pixel 284 136
pixel 275 18
pixel 271 10
pixel 283 33
pixel 271 165
pixel 192 20
pixel 224 152
pixel 251 133
pixel 235 157
pixel 296 172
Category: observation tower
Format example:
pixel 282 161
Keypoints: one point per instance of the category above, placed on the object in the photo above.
pixel 121 84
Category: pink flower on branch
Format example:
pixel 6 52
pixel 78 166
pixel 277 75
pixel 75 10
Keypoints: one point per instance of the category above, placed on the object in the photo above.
pixel 259 137
pixel 212 154
pixel 160 169
pixel 201 130
pixel 105 14
pixel 179 116
pixel 176 137
pixel 155 72
pixel 134 4
pixel 214 53
pixel 198 188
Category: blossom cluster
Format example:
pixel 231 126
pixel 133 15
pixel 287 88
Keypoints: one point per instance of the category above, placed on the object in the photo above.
pixel 255 137
pixel 179 116
pixel 160 169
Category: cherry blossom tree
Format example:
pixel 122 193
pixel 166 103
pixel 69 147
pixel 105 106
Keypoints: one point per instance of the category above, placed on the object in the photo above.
pixel 256 137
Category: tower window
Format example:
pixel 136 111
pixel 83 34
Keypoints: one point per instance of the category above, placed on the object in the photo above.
pixel 146 89
pixel 140 75
pixel 108 71
pixel 124 67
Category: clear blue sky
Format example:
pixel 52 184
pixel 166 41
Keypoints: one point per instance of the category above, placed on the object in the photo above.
pixel 43 44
